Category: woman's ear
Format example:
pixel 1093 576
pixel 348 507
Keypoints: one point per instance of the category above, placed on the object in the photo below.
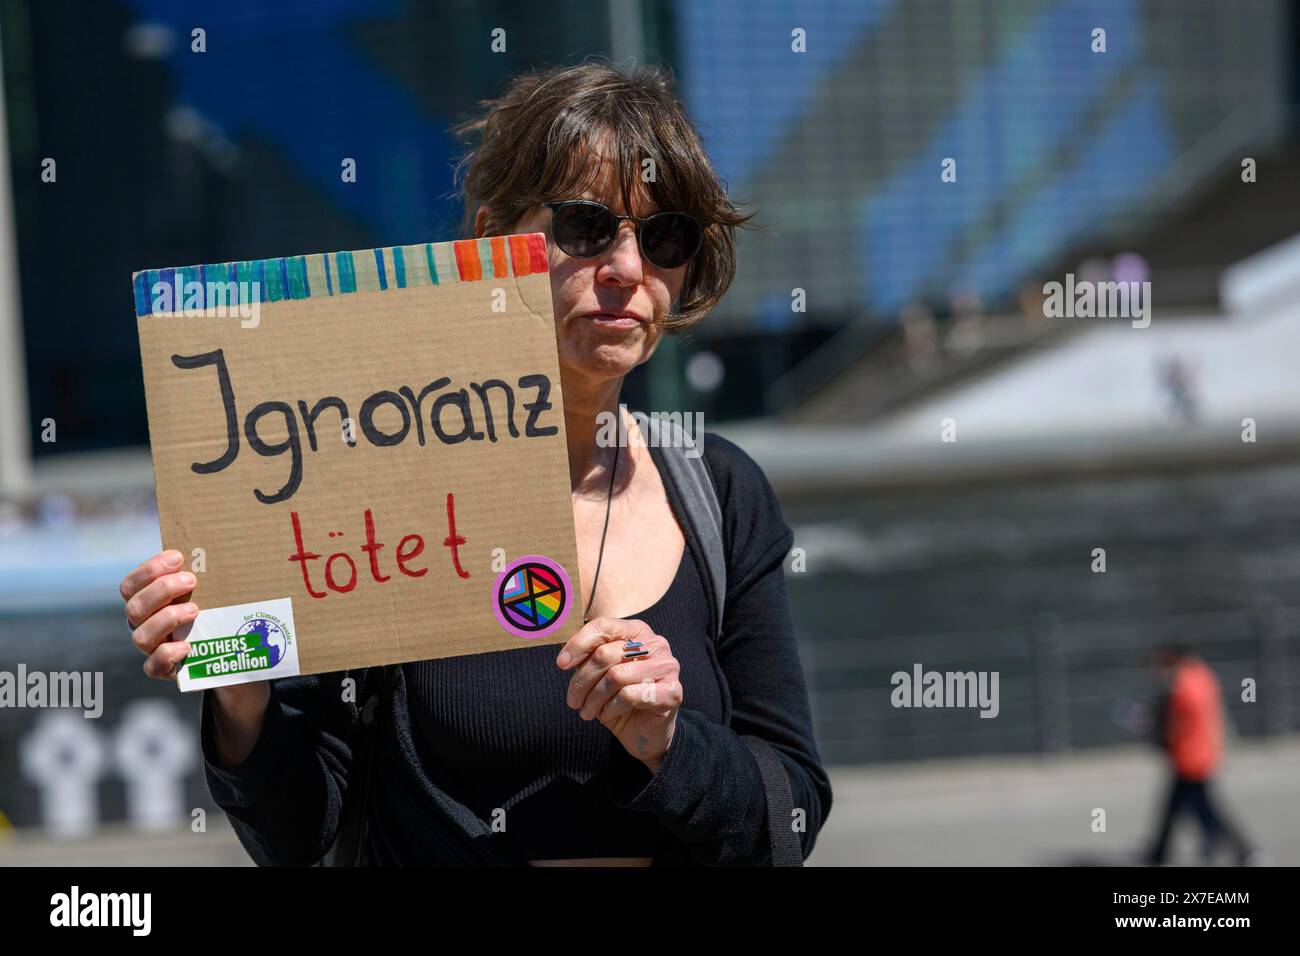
pixel 481 221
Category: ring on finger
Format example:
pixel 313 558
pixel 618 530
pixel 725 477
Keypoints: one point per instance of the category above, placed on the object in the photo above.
pixel 633 650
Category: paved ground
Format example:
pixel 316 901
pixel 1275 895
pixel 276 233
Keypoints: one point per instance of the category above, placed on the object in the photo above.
pixel 122 846
pixel 1000 812
pixel 1037 811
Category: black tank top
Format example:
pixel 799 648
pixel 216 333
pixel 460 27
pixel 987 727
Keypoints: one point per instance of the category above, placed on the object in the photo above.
pixel 500 726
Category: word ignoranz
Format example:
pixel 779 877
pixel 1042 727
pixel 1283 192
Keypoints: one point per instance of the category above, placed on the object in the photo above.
pixel 405 402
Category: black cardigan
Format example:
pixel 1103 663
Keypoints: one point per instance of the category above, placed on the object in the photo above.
pixel 284 800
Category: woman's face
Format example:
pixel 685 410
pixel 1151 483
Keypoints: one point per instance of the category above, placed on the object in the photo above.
pixel 609 311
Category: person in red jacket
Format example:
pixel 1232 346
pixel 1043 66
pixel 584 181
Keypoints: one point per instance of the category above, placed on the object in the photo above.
pixel 1189 722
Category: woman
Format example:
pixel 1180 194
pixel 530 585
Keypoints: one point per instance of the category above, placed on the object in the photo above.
pixel 588 756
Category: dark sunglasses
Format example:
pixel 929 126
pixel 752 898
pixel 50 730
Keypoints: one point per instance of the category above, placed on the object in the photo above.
pixel 583 228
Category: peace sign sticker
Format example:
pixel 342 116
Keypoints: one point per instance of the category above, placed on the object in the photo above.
pixel 531 596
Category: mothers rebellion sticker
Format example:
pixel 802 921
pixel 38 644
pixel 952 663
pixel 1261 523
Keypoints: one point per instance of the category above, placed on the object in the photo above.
pixel 239 644
pixel 531 596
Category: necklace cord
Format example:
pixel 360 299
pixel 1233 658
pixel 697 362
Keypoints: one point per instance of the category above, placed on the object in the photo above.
pixel 601 555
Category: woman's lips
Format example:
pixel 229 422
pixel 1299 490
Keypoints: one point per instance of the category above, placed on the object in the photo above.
pixel 613 320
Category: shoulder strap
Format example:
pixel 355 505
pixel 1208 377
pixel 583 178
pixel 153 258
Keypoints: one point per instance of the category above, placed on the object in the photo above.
pixel 683 461
pixel 786 848
pixel 686 469
pixel 346 851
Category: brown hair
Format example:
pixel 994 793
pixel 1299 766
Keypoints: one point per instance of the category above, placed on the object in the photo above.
pixel 539 136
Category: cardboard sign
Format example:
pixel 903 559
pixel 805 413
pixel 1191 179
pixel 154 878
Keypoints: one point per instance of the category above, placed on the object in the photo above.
pixel 361 455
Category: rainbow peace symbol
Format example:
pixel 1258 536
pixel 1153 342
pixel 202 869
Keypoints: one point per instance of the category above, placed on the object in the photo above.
pixel 531 596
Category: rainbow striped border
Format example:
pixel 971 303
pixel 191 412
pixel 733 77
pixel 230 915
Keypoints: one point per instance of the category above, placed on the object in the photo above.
pixel 362 270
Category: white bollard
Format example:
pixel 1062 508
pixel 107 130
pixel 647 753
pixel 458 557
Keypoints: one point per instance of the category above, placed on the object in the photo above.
pixel 154 751
pixel 64 757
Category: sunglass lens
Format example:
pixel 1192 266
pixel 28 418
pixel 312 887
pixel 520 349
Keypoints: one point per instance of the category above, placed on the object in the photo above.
pixel 670 239
pixel 583 230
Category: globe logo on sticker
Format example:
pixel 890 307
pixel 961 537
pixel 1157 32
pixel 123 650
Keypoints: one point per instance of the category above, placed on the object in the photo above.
pixel 270 638
pixel 531 596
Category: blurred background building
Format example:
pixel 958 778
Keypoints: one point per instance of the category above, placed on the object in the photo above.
pixel 919 174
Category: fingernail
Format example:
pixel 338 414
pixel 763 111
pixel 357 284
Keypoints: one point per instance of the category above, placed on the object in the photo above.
pixel 190 608
pixel 186 579
pixel 172 559
pixel 563 659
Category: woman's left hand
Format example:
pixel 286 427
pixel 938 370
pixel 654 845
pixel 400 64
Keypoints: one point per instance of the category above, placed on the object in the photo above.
pixel 637 699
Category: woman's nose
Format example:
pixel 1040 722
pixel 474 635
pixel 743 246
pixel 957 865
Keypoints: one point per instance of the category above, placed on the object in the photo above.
pixel 622 260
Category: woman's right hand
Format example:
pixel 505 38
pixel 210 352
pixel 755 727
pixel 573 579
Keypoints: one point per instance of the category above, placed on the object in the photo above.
pixel 157 603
